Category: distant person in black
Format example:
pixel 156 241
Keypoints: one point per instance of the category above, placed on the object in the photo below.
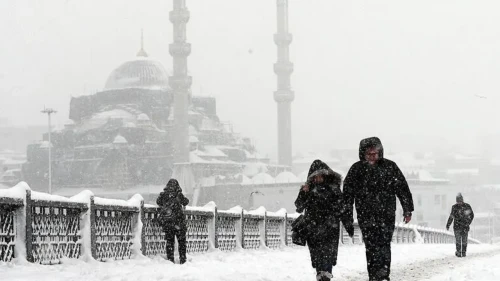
pixel 171 204
pixel 373 183
pixel 321 199
pixel 463 215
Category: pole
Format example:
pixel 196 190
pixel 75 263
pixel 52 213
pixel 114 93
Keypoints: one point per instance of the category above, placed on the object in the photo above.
pixel 50 157
pixel 49 112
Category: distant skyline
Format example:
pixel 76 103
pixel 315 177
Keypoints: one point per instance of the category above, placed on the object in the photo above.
pixel 418 75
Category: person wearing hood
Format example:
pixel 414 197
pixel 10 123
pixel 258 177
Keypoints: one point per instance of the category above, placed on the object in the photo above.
pixel 372 184
pixel 321 199
pixel 461 216
pixel 171 217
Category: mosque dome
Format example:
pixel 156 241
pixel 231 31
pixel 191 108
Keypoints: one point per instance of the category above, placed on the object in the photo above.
pixel 140 73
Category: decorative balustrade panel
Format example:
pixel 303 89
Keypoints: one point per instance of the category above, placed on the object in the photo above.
pixel 55 233
pixel 251 239
pixel 273 232
pixel 7 233
pixel 197 233
pixel 226 232
pixel 113 231
pixel 154 235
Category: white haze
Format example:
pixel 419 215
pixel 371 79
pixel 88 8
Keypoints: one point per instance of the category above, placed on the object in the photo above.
pixel 407 71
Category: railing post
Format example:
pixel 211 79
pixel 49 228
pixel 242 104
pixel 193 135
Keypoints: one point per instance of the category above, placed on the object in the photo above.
pixel 283 232
pixel 93 242
pixel 212 230
pixel 286 229
pixel 242 228
pixel 29 227
pixel 216 229
pixel 143 233
pixel 262 231
pixel 86 229
pixel 265 229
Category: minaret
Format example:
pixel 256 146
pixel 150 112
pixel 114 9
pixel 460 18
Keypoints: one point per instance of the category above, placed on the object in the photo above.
pixel 180 82
pixel 284 95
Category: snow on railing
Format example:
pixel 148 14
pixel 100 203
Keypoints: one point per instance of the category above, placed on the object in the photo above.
pixel 46 229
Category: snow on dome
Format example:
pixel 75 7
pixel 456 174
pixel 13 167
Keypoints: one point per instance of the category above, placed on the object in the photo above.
pixel 253 169
pixel 286 177
pixel 143 117
pixel 263 178
pixel 141 73
pixel 244 179
pixel 120 140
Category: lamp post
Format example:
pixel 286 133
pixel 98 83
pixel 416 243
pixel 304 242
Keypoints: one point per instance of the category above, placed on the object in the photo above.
pixel 49 112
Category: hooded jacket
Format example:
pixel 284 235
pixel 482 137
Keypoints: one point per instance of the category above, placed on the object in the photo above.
pixel 323 203
pixel 374 188
pixel 323 206
pixel 171 202
pixel 462 214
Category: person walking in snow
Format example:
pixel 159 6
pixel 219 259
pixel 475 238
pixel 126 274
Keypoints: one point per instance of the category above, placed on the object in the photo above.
pixel 321 199
pixel 372 184
pixel 171 216
pixel 461 216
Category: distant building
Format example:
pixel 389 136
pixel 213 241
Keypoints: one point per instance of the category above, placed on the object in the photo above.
pixel 122 136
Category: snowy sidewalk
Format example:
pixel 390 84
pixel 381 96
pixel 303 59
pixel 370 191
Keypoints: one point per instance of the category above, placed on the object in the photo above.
pixel 247 265
pixel 478 269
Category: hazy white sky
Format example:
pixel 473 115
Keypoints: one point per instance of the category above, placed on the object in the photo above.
pixel 406 71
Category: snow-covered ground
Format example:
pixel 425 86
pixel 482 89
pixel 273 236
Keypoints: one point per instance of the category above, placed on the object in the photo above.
pixel 409 261
pixel 479 269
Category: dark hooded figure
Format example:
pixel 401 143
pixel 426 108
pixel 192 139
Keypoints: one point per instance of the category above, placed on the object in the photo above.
pixel 171 204
pixel 321 199
pixel 372 184
pixel 461 216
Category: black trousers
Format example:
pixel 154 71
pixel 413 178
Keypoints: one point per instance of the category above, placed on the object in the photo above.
pixel 170 234
pixel 461 236
pixel 377 239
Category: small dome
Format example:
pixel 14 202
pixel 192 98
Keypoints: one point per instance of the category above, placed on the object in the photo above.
pixel 142 73
pixel 120 140
pixel 253 169
pixel 286 177
pixel 143 117
pixel 263 178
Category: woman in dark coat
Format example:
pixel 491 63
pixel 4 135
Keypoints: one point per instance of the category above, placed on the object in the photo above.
pixel 171 204
pixel 321 199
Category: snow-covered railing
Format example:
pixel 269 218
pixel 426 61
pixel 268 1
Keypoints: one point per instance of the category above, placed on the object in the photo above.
pixel 408 233
pixel 45 228
pixel 8 226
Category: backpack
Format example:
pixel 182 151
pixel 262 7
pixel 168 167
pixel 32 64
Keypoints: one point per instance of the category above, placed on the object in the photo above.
pixel 170 213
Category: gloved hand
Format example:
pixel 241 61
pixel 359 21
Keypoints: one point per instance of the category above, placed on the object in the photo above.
pixel 448 228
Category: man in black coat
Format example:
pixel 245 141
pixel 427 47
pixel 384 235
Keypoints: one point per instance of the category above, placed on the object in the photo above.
pixel 373 183
pixel 321 199
pixel 172 219
pixel 462 215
